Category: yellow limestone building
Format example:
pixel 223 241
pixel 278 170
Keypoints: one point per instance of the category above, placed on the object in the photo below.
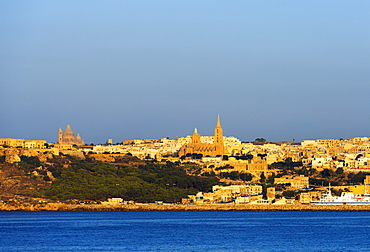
pixel 206 149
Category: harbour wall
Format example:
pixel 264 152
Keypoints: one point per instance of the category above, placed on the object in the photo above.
pixel 180 207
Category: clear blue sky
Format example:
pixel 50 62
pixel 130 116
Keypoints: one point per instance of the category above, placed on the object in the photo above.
pixel 280 70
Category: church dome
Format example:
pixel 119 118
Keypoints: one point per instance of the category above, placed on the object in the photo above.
pixel 68 133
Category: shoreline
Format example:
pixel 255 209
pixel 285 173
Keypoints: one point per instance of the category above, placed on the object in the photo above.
pixel 6 207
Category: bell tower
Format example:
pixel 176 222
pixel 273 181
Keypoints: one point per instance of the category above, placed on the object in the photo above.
pixel 218 138
pixel 60 136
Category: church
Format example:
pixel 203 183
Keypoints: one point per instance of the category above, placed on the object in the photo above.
pixel 68 137
pixel 206 149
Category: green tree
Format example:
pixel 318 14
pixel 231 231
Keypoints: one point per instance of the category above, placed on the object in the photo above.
pixel 34 161
pixel 271 178
pixel 318 182
pixel 339 171
pixel 246 176
pixel 325 173
pixel 262 177
pixel 260 140
pixel 289 194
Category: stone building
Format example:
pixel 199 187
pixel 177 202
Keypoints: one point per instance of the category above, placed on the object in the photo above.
pixel 300 181
pixel 257 166
pixel 68 137
pixel 206 149
pixel 21 143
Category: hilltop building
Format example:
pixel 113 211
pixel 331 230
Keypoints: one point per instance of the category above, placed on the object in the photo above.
pixel 68 137
pixel 21 143
pixel 217 148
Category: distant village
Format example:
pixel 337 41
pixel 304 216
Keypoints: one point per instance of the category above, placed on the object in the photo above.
pixel 244 167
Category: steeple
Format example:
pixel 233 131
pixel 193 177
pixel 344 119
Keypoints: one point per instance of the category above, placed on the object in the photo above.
pixel 218 121
pixel 218 132
pixel 218 138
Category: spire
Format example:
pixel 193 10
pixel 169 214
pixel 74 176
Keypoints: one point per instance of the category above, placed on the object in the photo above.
pixel 195 130
pixel 218 138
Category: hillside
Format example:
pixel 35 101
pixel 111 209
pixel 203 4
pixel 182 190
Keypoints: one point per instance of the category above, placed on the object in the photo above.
pixel 69 178
pixel 18 184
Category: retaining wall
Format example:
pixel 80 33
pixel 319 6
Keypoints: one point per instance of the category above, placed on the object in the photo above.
pixel 205 207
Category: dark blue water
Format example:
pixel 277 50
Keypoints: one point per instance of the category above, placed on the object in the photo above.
pixel 184 231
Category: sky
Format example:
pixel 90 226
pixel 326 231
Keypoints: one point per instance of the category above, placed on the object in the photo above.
pixel 115 69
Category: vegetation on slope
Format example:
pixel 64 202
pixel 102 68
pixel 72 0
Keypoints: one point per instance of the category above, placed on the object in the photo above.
pixel 147 182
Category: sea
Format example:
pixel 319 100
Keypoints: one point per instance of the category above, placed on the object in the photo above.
pixel 185 231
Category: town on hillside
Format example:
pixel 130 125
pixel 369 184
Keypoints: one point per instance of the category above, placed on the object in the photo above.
pixel 211 169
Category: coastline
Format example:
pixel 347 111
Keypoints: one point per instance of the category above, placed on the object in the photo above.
pixel 198 207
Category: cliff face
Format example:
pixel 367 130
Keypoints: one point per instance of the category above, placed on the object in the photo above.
pixel 12 154
pixel 116 158
pixel 12 158
pixel 103 157
pixel 77 154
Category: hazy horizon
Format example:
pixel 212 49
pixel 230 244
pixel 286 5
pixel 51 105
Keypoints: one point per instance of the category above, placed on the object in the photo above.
pixel 146 70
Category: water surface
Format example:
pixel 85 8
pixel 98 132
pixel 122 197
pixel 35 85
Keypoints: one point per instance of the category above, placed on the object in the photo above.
pixel 184 231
